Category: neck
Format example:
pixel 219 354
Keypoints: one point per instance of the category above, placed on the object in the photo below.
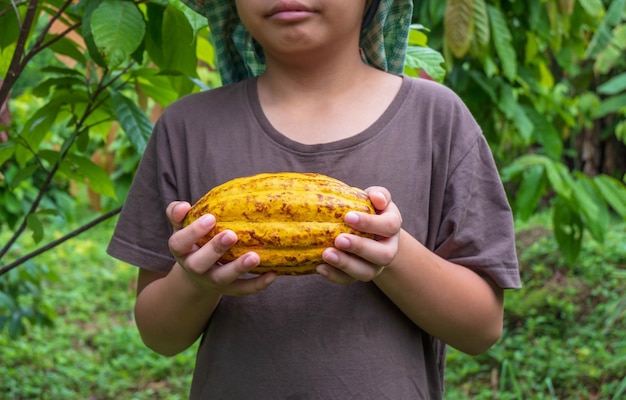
pixel 284 80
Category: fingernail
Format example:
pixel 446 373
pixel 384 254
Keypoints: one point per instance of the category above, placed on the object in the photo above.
pixel 250 261
pixel 342 242
pixel 269 279
pixel 352 218
pixel 207 220
pixel 330 257
pixel 228 238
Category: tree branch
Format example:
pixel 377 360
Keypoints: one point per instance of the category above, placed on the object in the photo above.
pixel 57 242
pixel 93 105
pixel 16 66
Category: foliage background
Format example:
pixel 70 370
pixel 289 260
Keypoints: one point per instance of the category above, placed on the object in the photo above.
pixel 83 81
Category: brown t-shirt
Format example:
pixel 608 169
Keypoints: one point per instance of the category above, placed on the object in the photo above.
pixel 305 338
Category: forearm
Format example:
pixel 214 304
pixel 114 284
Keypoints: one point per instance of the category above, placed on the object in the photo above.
pixel 447 300
pixel 171 312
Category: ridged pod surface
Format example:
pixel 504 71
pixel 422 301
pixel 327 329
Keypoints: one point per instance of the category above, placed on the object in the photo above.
pixel 287 218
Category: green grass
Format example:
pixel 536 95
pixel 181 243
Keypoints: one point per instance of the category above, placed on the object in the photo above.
pixel 93 350
pixel 565 331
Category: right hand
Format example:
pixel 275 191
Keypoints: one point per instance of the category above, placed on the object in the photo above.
pixel 201 263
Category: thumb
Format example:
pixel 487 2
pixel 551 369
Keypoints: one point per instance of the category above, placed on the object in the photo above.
pixel 176 212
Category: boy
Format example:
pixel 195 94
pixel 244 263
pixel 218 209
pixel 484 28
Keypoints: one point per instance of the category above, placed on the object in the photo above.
pixel 329 97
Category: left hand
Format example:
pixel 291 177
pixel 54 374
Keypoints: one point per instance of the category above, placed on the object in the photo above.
pixel 363 259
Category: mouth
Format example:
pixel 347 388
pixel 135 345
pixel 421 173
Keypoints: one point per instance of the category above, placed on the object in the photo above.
pixel 288 9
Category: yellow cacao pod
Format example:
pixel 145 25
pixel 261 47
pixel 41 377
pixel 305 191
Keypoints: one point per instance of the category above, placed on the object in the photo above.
pixel 287 218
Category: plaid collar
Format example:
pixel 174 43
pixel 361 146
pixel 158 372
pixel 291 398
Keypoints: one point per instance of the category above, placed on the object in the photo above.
pixel 383 39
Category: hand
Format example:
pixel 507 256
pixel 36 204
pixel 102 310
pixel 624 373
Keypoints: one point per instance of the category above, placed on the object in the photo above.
pixel 357 258
pixel 201 263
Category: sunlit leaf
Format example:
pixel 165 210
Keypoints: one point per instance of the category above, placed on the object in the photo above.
pixel 118 28
pixel 69 48
pixel 97 179
pixel 591 207
pixel 592 7
pixel 529 192
pixel 603 34
pixel 614 192
pixel 427 59
pixel 614 85
pixel 610 105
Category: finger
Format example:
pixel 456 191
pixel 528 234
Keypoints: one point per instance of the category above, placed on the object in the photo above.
pixel 202 259
pixel 222 276
pixel 176 212
pixel 379 196
pixel 247 286
pixel 385 224
pixel 183 241
pixel 378 252
pixel 350 265
pixel 334 275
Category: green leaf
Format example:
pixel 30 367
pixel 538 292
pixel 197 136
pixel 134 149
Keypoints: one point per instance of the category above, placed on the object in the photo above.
pixel 429 60
pixel 559 177
pixel 487 85
pixel 7 149
pixel 614 85
pixel 83 168
pixel 179 49
pixel 118 28
pixel 35 130
pixel 34 224
pixel 603 35
pixel 6 302
pixel 610 105
pixel 613 191
pixel 592 7
pixel 22 174
pixel 458 24
pixel 95 55
pixel 530 192
pixel 522 122
pixel 10 25
pixel 67 47
pixel 545 133
pixel 16 326
pixel 482 30
pixel 133 121
pixel 568 229
pixel 65 82
pixel 503 42
pixel 520 164
pixel 613 53
pixel 591 207
pixel 156 86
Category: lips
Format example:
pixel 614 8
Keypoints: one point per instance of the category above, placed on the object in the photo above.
pixel 288 7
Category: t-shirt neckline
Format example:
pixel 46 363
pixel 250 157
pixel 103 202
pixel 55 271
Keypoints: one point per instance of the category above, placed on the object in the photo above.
pixel 339 145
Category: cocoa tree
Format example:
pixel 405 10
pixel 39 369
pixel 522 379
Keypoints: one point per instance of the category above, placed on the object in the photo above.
pixel 547 83
pixel 93 73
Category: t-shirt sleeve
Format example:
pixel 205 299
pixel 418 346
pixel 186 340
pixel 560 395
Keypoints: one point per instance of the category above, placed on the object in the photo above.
pixel 477 229
pixel 142 232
